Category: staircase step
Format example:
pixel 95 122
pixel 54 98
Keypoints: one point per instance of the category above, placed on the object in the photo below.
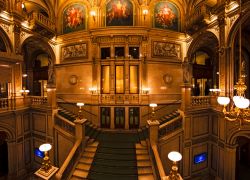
pixel 76 178
pixel 90 149
pixel 80 173
pixel 108 176
pixel 124 164
pixel 86 160
pixel 145 170
pixel 140 146
pixel 88 154
pixel 142 157
pixel 141 151
pixel 93 144
pixel 83 166
pixel 114 156
pixel 109 150
pixel 146 177
pixel 114 170
pixel 143 163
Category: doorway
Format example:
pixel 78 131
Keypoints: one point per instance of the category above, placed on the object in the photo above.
pixel 243 159
pixel 134 116
pixel 105 117
pixel 120 117
pixel 3 155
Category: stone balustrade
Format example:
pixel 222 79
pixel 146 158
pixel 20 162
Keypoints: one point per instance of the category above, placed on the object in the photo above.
pixel 40 18
pixel 200 101
pixel 38 100
pixel 4 103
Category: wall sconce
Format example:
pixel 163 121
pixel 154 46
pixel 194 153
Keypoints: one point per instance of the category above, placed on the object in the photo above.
pixel 175 157
pixel 93 90
pixel 80 104
pixel 153 106
pixel 93 14
pixel 145 90
pixel 46 165
pixel 144 12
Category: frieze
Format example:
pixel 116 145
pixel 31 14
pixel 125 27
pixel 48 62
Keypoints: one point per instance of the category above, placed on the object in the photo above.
pixel 74 51
pixel 166 49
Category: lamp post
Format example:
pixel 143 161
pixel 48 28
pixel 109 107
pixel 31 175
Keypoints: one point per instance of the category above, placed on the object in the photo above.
pixel 153 106
pixel 80 104
pixel 46 165
pixel 174 156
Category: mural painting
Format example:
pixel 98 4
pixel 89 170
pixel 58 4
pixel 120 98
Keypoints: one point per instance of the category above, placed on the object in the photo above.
pixel 74 18
pixel 119 13
pixel 166 49
pixel 74 51
pixel 166 16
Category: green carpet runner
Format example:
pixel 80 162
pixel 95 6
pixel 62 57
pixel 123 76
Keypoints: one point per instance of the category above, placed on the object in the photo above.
pixel 115 158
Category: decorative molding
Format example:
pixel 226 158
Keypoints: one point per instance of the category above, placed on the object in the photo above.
pixel 5 27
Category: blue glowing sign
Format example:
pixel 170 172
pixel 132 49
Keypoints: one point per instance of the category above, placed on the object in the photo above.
pixel 199 158
pixel 39 153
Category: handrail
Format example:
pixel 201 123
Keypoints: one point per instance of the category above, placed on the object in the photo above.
pixel 65 124
pixel 170 126
pixel 158 161
pixel 70 159
pixel 161 107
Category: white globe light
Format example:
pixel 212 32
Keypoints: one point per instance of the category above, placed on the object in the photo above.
pixel 80 104
pixel 174 156
pixel 153 105
pixel 241 102
pixel 45 147
pixel 223 100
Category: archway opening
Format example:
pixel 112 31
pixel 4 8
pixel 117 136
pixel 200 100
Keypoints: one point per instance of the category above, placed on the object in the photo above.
pixel 3 155
pixel 243 159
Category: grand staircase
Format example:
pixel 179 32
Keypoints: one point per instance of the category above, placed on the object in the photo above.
pixel 114 155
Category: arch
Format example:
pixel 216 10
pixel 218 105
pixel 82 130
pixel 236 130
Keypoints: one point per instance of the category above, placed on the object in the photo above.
pixel 41 45
pixel 203 41
pixel 9 131
pixel 6 40
pixel 233 135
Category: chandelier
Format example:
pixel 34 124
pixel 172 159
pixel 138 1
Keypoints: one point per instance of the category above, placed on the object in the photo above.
pixel 239 110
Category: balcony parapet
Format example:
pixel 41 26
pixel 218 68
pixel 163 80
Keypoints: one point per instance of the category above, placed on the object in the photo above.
pixel 198 19
pixel 41 24
pixel 200 101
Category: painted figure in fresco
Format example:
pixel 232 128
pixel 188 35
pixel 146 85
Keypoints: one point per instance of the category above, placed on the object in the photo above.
pixel 119 13
pixel 166 16
pixel 74 18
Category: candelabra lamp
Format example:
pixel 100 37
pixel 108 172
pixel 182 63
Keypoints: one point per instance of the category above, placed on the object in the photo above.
pixel 174 156
pixel 47 170
pixel 46 165
pixel 80 104
pixel 153 106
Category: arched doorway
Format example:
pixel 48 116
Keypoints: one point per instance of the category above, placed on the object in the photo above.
pixel 243 159
pixel 203 54
pixel 3 155
pixel 38 62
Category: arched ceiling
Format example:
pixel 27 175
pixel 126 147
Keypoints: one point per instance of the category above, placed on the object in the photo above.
pixel 51 6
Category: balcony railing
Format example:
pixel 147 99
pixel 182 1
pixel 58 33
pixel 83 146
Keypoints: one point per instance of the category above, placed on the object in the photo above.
pixel 41 24
pixel 4 103
pixel 200 101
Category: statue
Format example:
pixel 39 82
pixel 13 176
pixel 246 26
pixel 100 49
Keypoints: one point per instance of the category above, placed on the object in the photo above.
pixel 51 73
pixel 187 70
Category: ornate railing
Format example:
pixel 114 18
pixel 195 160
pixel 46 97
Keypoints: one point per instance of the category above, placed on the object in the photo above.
pixel 170 126
pixel 70 161
pixel 200 101
pixel 38 100
pixel 65 124
pixel 43 20
pixel 4 103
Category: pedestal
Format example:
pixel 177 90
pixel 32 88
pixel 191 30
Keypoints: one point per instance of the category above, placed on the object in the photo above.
pixel 46 175
pixel 153 131
pixel 185 96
